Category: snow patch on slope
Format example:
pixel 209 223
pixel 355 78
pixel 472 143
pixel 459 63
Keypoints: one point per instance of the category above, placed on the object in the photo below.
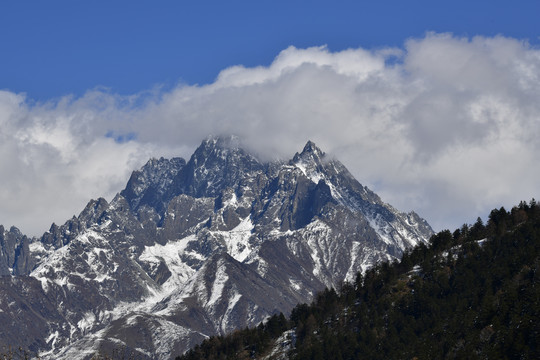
pixel 86 322
pixel 382 228
pixel 296 285
pixel 170 253
pixel 165 334
pixel 354 268
pixel 282 346
pixel 394 232
pixel 311 174
pixel 53 267
pixel 237 240
pixel 233 300
pixel 219 284
pixel 318 235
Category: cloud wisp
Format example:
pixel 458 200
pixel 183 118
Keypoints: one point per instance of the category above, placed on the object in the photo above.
pixel 445 126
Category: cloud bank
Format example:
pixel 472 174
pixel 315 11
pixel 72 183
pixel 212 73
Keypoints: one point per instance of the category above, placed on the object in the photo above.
pixel 446 126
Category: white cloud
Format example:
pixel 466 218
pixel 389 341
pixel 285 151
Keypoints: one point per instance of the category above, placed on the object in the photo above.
pixel 446 126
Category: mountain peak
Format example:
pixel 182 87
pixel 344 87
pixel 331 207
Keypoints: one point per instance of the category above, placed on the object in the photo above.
pixel 310 154
pixel 147 186
pixel 219 162
pixel 217 148
pixel 310 147
pixel 221 142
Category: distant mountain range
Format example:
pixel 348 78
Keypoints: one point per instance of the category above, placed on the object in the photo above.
pixel 192 249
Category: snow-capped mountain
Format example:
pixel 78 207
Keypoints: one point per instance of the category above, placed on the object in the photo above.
pixel 192 249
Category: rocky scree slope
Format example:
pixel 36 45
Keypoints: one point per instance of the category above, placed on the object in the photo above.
pixel 192 249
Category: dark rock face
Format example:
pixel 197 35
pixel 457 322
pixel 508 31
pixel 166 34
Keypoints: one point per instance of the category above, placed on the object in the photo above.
pixel 146 188
pixel 196 248
pixel 15 258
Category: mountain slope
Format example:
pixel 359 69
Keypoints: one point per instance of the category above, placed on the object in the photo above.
pixel 202 247
pixel 471 294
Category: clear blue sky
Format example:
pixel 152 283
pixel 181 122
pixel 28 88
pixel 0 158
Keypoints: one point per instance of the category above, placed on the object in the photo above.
pixel 54 48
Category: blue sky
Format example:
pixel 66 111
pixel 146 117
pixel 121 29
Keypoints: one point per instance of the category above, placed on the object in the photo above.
pixel 433 105
pixel 56 48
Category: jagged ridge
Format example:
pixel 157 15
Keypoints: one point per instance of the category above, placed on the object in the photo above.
pixel 205 246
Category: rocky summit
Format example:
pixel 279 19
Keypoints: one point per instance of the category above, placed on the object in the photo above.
pixel 193 249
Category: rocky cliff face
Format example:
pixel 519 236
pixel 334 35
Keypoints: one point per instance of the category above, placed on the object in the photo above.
pixel 15 258
pixel 196 248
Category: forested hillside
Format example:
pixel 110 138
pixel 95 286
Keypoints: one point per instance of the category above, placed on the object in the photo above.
pixel 473 293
